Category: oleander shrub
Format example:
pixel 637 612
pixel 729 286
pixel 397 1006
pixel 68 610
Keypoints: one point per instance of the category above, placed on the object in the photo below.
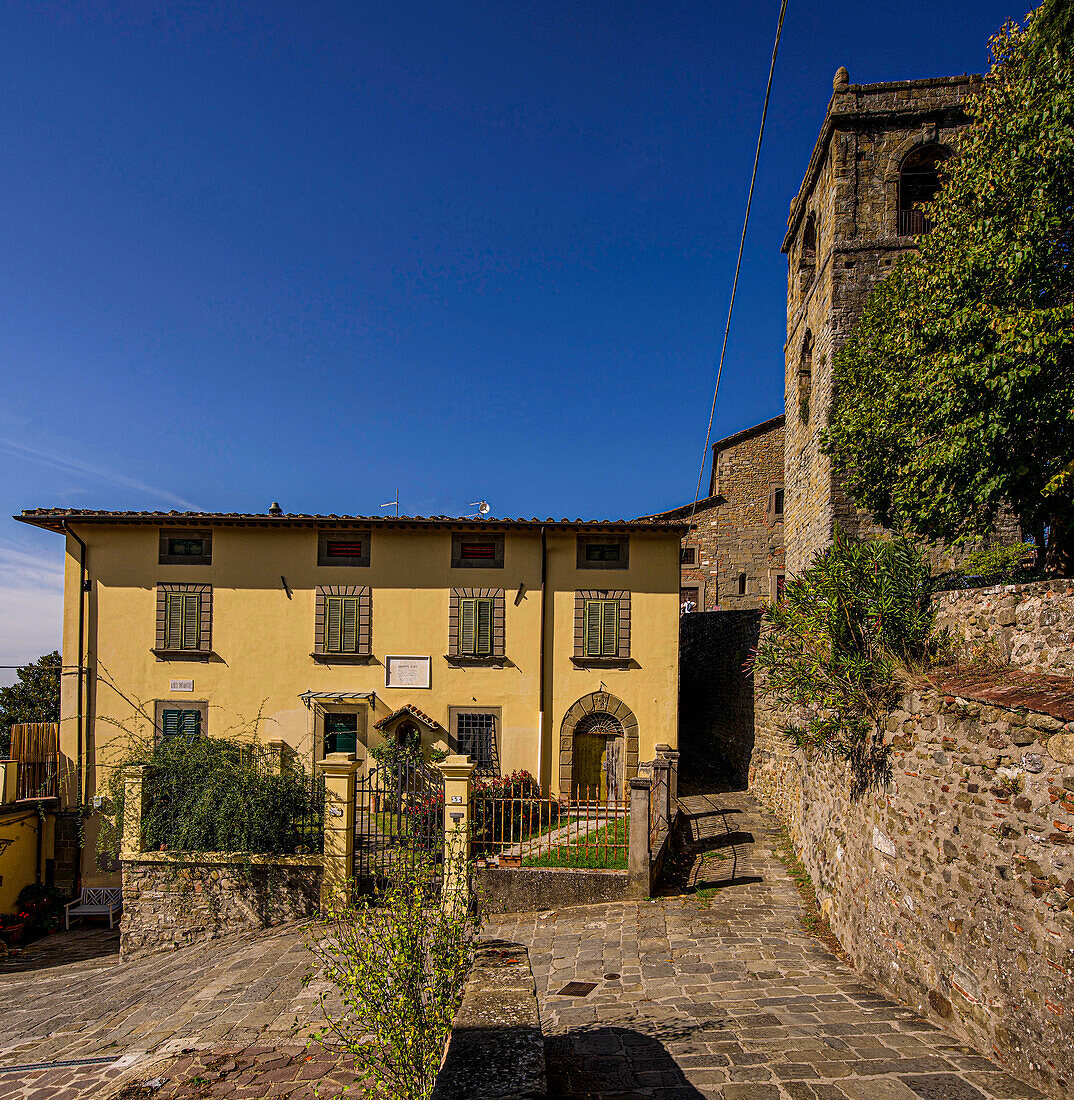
pixel 833 647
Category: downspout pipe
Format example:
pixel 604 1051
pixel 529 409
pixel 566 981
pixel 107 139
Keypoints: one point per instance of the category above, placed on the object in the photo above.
pixel 541 662
pixel 81 652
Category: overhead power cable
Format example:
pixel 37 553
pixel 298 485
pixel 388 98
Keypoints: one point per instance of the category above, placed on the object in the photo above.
pixel 738 265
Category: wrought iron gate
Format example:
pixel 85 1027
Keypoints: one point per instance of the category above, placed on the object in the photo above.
pixel 398 818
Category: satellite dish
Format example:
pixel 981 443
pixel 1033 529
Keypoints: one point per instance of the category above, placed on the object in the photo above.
pixel 483 507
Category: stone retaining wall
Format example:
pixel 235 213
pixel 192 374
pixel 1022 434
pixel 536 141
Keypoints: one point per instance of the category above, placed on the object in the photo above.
pixel 951 888
pixel 528 889
pixel 496 1050
pixel 1029 626
pixel 169 901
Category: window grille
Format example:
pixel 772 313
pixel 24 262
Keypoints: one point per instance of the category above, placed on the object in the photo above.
pixel 475 737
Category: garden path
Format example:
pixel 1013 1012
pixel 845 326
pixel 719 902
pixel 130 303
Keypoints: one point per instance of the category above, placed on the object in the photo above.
pixel 717 990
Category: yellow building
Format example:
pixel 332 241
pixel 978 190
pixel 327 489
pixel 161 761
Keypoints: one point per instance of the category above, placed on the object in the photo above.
pixel 538 645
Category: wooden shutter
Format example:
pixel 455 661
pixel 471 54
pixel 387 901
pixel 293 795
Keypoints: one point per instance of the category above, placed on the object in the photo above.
pixel 191 620
pixel 609 629
pixel 592 627
pixel 189 724
pixel 484 627
pixel 341 625
pixel 173 621
pixel 468 627
pixel 169 724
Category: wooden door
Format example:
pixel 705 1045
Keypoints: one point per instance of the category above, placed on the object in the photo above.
pixel 587 765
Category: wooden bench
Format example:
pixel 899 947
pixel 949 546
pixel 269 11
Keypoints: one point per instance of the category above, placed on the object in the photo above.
pixel 95 901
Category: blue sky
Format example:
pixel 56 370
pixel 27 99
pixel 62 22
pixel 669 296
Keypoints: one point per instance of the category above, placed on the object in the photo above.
pixel 317 252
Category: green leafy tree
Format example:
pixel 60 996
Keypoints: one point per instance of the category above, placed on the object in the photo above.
pixel 34 697
pixel 832 647
pixel 955 393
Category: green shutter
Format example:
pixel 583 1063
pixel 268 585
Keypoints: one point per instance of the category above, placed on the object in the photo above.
pixel 169 724
pixel 468 627
pixel 592 628
pixel 341 624
pixel 601 628
pixel 484 627
pixel 350 624
pixel 180 723
pixel 173 620
pixel 609 646
pixel 333 624
pixel 191 620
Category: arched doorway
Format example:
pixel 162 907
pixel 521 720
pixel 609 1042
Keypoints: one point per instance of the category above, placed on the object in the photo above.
pixel 607 748
pixel 598 758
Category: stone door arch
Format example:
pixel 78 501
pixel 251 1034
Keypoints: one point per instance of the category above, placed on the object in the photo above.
pixel 590 709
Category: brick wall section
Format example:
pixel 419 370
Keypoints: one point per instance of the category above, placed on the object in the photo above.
pixel 716 694
pixel 851 192
pixel 948 889
pixel 735 532
pixel 169 904
pixel 1028 626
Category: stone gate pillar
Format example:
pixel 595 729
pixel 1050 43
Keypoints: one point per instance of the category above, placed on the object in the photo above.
pixel 458 774
pixel 338 769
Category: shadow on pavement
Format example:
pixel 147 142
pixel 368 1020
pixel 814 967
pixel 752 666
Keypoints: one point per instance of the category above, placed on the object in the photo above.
pixel 613 1061
pixel 80 945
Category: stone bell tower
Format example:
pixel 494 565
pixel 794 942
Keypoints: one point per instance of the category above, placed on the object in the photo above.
pixel 877 155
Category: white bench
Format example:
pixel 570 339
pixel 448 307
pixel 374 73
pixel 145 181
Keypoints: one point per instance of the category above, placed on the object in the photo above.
pixel 95 901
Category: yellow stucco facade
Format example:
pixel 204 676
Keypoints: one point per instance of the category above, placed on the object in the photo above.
pixel 260 674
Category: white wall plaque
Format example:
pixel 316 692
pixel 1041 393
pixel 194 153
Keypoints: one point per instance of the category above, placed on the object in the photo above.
pixel 181 685
pixel 408 672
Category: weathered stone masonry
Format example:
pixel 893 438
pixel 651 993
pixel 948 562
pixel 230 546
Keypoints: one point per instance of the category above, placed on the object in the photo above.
pixel 842 236
pixel 733 555
pixel 1028 626
pixel 170 901
pixel 952 886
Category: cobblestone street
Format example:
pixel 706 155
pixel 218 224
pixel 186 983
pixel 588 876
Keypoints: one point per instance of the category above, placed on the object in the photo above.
pixel 718 991
pixel 714 990
pixel 231 1017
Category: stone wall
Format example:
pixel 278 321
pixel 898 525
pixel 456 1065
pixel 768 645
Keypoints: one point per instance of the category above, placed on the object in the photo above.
pixel 716 705
pixel 1028 626
pixel 951 887
pixel 736 533
pixel 169 902
pixel 496 1049
pixel 850 195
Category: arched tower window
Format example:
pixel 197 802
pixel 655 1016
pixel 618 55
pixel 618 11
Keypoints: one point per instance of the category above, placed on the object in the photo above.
pixel 805 377
pixel 919 182
pixel 807 258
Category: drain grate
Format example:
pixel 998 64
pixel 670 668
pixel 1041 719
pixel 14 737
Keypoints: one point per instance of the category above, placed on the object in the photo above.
pixel 611 977
pixel 69 1063
pixel 577 989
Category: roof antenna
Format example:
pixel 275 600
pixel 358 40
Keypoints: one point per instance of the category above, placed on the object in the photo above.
pixel 395 502
pixel 483 508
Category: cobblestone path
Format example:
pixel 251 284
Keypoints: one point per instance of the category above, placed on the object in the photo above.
pixel 229 1018
pixel 717 991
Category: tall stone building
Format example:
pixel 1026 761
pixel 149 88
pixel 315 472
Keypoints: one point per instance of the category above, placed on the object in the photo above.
pixel 732 557
pixel 877 155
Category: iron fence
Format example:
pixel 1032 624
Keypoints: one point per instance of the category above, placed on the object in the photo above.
pixel 398 817
pixel 307 820
pixel 526 829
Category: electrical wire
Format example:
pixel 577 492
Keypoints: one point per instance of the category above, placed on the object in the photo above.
pixel 738 265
